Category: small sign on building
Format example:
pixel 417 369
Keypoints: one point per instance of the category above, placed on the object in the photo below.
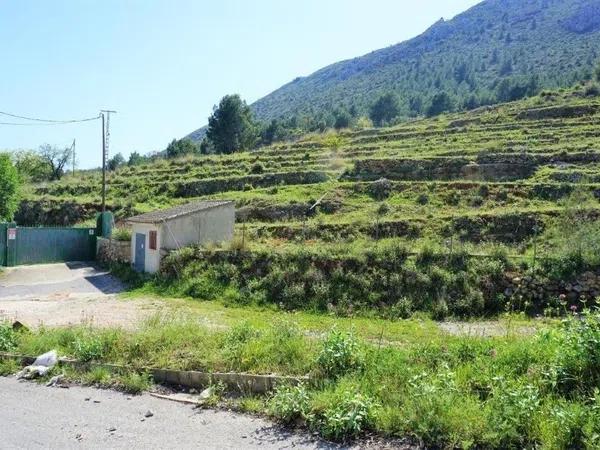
pixel 12 234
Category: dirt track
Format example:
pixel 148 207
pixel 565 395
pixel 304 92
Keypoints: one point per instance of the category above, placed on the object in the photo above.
pixel 64 294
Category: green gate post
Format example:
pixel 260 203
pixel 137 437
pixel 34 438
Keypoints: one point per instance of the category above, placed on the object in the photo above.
pixel 93 242
pixel 3 229
pixel 11 245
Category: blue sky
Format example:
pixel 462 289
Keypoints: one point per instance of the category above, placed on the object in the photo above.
pixel 163 64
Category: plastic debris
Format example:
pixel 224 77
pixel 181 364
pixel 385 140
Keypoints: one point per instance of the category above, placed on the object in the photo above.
pixel 40 367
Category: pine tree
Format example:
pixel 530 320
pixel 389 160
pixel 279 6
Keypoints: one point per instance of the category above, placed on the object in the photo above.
pixel 231 127
pixel 386 108
pixel 440 103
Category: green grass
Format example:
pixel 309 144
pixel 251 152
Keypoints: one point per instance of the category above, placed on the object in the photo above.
pixel 434 194
pixel 448 391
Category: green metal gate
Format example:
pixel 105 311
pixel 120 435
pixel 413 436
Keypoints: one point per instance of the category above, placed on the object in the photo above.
pixel 31 245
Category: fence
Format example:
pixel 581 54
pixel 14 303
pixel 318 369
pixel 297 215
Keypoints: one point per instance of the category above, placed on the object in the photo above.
pixel 40 245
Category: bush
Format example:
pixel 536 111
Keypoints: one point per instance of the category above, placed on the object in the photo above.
pixel 380 189
pixel 257 168
pixel 340 354
pixel 592 90
pixel 349 415
pixel 8 338
pixel 422 199
pixel 383 209
pixel 290 404
pixel 88 348
pixel 121 234
pixel 511 412
pixel 577 366
pixel 8 367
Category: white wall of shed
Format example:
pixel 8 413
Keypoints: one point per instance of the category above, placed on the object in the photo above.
pixel 214 225
pixel 152 263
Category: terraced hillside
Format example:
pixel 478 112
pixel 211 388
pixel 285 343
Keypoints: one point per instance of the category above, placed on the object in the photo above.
pixel 488 175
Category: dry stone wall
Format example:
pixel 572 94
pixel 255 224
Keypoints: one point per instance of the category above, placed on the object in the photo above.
pixel 112 251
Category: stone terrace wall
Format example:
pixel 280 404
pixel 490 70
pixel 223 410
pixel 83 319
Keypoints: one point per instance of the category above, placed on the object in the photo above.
pixel 112 251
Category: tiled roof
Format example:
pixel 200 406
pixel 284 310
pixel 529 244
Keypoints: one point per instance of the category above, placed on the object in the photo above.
pixel 178 211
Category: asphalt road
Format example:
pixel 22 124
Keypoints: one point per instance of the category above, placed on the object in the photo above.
pixel 33 416
pixel 55 279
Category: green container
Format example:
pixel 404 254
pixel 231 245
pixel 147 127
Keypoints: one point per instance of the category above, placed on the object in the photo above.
pixel 105 223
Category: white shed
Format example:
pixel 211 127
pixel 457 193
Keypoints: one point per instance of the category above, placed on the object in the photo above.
pixel 155 233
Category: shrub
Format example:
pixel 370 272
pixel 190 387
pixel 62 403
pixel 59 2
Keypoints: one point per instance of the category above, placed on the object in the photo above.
pixel 8 367
pixel 383 209
pixel 592 90
pixel 348 415
pixel 422 199
pixel 578 361
pixel 380 189
pixel 511 411
pixel 290 403
pixel 340 354
pixel 121 234
pixel 257 168
pixel 88 348
pixel 8 338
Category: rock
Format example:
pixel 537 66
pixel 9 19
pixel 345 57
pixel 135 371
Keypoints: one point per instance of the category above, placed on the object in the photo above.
pixel 516 281
pixel 207 393
pixel 148 414
pixel 18 326
pixel 55 381
pixel 112 429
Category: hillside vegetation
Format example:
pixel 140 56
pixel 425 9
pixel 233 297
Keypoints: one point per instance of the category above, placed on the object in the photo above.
pixel 497 51
pixel 514 181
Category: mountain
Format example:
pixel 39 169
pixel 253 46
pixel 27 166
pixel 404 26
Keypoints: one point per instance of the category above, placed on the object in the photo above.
pixel 476 57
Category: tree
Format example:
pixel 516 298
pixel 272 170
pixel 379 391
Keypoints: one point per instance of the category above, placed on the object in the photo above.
pixel 440 103
pixel 416 104
pixel 56 159
pixel 231 127
pixel 31 166
pixel 342 119
pixel 115 162
pixel 181 147
pixel 9 188
pixel 136 159
pixel 514 89
pixel 598 72
pixel 506 68
pixel 386 108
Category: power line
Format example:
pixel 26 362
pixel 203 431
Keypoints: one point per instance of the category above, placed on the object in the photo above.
pixel 36 124
pixel 44 121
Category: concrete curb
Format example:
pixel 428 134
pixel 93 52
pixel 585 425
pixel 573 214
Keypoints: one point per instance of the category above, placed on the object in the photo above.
pixel 241 382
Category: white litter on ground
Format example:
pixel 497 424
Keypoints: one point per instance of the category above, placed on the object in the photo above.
pixel 40 366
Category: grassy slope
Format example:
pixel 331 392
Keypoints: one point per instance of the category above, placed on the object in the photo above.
pixel 468 175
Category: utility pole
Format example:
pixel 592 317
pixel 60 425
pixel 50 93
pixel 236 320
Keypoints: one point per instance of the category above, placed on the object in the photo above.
pixel 73 156
pixel 105 114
